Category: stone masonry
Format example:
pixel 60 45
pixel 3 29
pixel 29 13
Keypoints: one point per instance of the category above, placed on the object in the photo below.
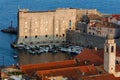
pixel 86 40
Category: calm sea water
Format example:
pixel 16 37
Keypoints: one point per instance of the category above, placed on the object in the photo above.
pixel 9 10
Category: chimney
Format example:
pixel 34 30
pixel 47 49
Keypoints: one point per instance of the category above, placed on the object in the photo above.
pixel 95 48
pixel 83 73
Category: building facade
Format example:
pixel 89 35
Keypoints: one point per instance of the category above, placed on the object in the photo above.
pixel 100 29
pixel 109 55
pixel 100 25
pixel 47 27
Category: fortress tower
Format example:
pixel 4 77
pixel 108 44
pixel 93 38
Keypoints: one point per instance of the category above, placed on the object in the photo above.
pixel 109 54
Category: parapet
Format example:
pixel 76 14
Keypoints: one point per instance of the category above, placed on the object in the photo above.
pixel 23 10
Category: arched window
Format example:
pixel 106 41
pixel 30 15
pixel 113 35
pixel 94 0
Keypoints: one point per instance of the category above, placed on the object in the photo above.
pixel 63 35
pixel 56 35
pixel 35 36
pixel 70 23
pixel 46 36
pixel 25 37
pixel 112 49
pixel 107 49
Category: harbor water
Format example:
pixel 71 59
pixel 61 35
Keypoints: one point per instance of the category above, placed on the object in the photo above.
pixel 9 9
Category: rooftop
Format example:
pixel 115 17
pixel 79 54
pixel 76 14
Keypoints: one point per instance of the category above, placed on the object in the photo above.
pixel 117 16
pixel 69 72
pixel 32 68
pixel 104 24
pixel 101 77
pixel 92 56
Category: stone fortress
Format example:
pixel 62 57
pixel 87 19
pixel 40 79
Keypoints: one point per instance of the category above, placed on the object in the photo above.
pixel 84 27
pixel 48 27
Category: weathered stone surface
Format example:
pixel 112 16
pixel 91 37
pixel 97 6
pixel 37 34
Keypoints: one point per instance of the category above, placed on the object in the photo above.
pixel 86 40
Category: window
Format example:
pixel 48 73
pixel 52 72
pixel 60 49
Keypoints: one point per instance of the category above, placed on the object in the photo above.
pixel 35 36
pixel 111 68
pixel 63 35
pixel 38 42
pixel 89 32
pixel 31 42
pixel 51 41
pixel 36 30
pixel 25 37
pixel 21 43
pixel 112 49
pixel 93 29
pixel 70 23
pixel 117 62
pixel 107 49
pixel 46 29
pixel 46 36
pixel 110 31
pixel 25 30
pixel 56 35
pixel 89 28
pixel 25 22
pixel 57 29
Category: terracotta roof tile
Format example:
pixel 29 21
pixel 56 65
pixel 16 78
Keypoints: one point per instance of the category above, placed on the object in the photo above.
pixel 32 68
pixel 101 77
pixel 117 68
pixel 69 72
pixel 91 55
pixel 118 51
pixel 117 16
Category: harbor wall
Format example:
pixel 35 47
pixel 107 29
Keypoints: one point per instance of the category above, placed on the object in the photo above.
pixel 86 40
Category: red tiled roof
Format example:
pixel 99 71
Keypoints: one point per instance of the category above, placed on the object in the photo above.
pixel 32 68
pixel 94 56
pixel 69 72
pixel 118 51
pixel 105 19
pixel 102 77
pixel 117 16
pixel 117 68
pixel 91 55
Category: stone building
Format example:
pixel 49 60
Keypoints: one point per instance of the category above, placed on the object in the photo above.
pixel 103 29
pixel 100 25
pixel 47 27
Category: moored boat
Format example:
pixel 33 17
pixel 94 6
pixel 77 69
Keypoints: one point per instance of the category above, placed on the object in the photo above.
pixel 10 29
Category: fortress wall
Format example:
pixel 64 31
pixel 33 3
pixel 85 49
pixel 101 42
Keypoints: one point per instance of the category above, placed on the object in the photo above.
pixel 86 40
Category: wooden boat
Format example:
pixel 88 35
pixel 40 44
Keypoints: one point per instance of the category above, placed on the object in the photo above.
pixel 10 29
